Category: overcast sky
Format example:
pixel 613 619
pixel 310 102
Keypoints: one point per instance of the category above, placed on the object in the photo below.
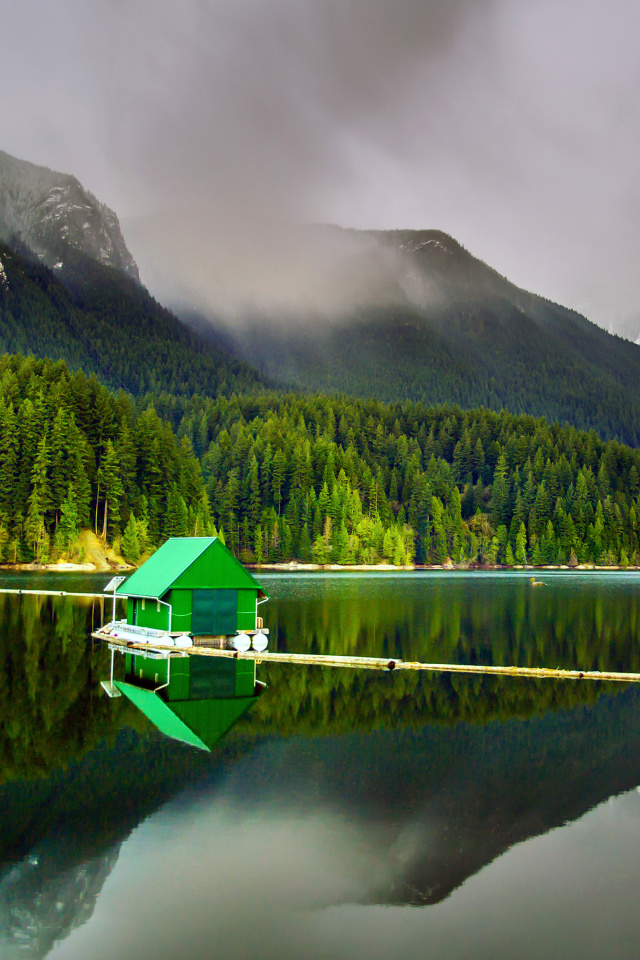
pixel 511 124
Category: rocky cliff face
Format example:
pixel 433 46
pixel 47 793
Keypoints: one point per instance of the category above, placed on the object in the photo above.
pixel 52 212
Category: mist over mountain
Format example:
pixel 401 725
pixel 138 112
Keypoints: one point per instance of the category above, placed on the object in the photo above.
pixel 398 315
pixel 53 214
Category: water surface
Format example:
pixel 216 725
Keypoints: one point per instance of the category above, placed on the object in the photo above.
pixel 349 814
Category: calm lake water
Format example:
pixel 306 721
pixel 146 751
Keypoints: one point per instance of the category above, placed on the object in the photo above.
pixel 348 814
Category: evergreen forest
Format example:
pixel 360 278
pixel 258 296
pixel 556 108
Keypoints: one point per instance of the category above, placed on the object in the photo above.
pixel 102 322
pixel 336 480
pixel 73 456
pixel 319 479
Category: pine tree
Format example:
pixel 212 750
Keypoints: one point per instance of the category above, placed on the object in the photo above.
pixel 521 545
pixel 110 482
pixel 130 543
pixel 68 527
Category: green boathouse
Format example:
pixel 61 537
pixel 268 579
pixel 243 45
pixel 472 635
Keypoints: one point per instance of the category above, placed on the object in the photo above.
pixel 193 585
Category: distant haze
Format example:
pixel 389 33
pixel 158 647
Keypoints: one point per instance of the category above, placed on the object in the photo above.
pixel 511 125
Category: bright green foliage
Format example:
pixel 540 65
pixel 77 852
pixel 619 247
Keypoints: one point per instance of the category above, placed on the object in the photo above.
pixel 69 524
pixel 300 477
pixel 130 542
pixel 74 454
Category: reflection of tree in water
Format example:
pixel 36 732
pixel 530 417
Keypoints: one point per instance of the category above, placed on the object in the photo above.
pixel 316 701
pixel 50 711
pixel 482 788
pixel 503 622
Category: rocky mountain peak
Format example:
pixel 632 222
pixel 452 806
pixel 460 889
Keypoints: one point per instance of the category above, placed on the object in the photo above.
pixel 52 212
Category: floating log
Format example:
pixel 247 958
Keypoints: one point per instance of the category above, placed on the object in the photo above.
pixel 384 663
pixel 375 663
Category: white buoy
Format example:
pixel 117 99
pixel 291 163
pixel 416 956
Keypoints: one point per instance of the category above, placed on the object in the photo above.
pixel 241 643
pixel 260 642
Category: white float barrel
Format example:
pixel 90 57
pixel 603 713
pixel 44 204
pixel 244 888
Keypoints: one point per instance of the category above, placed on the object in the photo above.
pixel 241 643
pixel 260 642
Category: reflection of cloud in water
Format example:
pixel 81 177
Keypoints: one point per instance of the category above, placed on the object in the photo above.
pixel 206 880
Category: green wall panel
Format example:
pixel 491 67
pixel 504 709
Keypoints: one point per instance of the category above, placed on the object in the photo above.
pixel 212 677
pixel 246 609
pixel 180 673
pixel 245 678
pixel 148 613
pixel 153 671
pixel 180 601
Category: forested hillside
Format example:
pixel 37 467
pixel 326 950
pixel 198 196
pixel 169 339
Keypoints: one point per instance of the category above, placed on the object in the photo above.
pixel 96 319
pixel 73 455
pixel 333 479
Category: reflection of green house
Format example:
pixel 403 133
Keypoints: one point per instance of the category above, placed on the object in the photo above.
pixel 193 585
pixel 196 699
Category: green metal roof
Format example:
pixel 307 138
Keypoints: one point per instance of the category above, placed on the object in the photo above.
pixel 169 562
pixel 211 720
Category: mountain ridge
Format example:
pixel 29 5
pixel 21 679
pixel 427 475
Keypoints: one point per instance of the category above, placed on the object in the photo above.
pixel 97 319
pixel 449 329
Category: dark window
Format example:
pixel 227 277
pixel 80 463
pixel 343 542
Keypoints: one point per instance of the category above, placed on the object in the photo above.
pixel 214 612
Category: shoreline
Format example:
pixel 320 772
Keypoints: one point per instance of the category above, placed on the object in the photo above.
pixel 64 568
pixel 294 566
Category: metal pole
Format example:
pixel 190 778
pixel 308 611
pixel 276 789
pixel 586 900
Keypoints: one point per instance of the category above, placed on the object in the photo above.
pixel 53 593
pixel 164 602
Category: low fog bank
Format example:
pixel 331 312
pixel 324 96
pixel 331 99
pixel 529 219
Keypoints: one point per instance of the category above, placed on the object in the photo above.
pixel 236 270
pixel 233 275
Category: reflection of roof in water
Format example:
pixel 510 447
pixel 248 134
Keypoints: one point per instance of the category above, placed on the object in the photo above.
pixel 200 723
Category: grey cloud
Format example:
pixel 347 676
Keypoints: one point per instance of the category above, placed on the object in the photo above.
pixel 511 125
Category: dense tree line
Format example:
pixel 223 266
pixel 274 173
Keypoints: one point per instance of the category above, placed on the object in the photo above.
pixel 74 455
pixel 335 479
pixel 511 351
